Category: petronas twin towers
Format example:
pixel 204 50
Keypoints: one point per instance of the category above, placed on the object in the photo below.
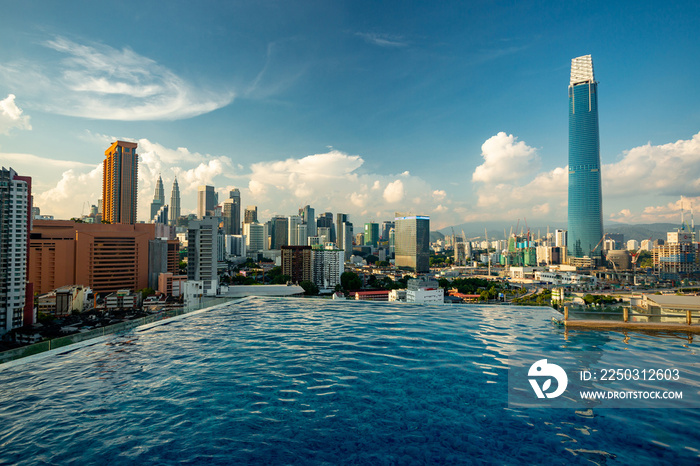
pixel 159 202
pixel 585 195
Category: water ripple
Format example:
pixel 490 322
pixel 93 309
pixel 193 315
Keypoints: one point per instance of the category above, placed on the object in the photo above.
pixel 317 382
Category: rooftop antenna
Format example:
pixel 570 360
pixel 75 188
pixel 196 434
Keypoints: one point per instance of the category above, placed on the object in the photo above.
pixel 692 223
pixel 682 217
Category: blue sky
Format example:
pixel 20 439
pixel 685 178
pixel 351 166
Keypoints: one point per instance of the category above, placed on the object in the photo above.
pixel 457 110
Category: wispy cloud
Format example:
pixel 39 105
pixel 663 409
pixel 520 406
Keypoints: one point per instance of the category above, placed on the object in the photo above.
pixel 98 81
pixel 383 40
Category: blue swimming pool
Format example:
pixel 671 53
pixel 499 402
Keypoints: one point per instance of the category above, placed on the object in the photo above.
pixel 293 381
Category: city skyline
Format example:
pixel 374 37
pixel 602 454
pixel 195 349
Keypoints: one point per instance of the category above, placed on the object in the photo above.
pixel 455 112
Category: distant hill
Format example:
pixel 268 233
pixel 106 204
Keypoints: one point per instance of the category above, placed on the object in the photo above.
pixel 642 231
pixel 495 230
pixel 436 235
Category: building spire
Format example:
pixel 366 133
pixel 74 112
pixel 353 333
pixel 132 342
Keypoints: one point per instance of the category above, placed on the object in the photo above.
pixel 581 70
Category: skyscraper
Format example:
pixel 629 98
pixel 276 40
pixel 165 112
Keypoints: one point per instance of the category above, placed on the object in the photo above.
pixel 232 213
pixel 251 214
pixel 120 182
pixel 158 198
pixel 585 228
pixel 308 217
pixel 325 220
pixel 371 234
pixel 207 199
pixel 339 220
pixel 235 196
pixel 15 223
pixel 278 232
pixel 174 203
pixel 412 242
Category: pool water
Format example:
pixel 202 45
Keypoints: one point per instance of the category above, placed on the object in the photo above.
pixel 296 381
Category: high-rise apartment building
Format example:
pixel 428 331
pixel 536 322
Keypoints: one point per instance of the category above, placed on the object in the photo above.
pixel 120 183
pixel 328 264
pixel 174 213
pixel 296 263
pixel 412 242
pixel 207 200
pixel 158 198
pixel 251 214
pixel 203 252
pixel 585 228
pixel 15 223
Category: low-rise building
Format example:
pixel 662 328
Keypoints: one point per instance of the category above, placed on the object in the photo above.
pixel 122 299
pixel 424 291
pixel 171 285
pixel 63 301
pixel 373 295
pixel 397 295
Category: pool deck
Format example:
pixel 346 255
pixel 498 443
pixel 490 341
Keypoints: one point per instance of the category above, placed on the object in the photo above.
pixel 643 326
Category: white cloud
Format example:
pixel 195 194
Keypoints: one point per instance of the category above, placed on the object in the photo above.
pixel 439 194
pixel 632 186
pixel 11 116
pixel 671 169
pixel 73 193
pixel 505 160
pixel 394 192
pixel 100 82
pixel 328 182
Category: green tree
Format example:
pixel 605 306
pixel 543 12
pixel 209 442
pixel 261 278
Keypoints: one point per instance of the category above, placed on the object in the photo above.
pixel 371 259
pixel 310 288
pixel 350 281
pixel 146 292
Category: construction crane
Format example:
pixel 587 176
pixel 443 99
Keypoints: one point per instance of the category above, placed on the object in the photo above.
pixel 488 256
pixel 635 258
pixel 596 246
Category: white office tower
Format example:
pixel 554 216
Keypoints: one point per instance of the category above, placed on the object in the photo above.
pixel 255 237
pixel 293 221
pixel 302 234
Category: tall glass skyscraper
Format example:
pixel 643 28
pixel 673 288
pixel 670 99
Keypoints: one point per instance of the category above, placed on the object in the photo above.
pixel 585 197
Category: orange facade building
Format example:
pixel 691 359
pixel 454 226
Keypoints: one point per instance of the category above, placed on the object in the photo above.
pixel 105 257
pixel 120 183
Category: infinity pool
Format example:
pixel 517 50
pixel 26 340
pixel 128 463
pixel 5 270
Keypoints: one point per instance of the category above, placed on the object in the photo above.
pixel 293 381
